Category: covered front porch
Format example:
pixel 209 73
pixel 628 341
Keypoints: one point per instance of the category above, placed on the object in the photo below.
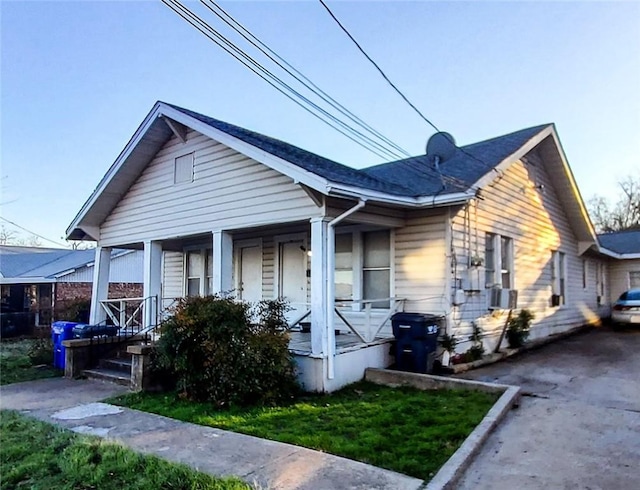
pixel 336 275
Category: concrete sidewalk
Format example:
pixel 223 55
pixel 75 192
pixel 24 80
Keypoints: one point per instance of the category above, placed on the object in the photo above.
pixel 75 405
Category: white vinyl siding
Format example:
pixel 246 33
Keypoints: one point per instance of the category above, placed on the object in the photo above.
pixel 124 268
pixel 521 204
pixel 623 275
pixel 229 191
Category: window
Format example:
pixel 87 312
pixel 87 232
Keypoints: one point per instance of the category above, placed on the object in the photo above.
pixel 634 279
pixel 585 273
pixel 363 267
pixel 600 281
pixel 344 266
pixel 498 261
pixel 183 169
pixel 558 276
pixel 376 268
pixel 199 272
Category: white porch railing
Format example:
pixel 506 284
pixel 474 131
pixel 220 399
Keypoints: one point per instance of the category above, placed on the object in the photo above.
pixel 371 327
pixel 132 315
pixel 371 330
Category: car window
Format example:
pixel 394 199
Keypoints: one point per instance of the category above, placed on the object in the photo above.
pixel 630 296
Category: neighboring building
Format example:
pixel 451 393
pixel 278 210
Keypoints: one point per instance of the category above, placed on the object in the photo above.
pixel 37 282
pixel 623 248
pixel 218 208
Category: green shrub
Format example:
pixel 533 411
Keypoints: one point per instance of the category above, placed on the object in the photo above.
pixel 214 353
pixel 518 329
pixel 74 310
pixel 41 351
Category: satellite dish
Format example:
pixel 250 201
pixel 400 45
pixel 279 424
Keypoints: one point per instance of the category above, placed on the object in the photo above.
pixel 441 147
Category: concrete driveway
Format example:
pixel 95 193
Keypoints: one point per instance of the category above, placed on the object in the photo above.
pixel 578 425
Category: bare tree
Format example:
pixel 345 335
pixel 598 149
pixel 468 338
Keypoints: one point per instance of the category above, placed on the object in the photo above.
pixel 624 214
pixel 7 237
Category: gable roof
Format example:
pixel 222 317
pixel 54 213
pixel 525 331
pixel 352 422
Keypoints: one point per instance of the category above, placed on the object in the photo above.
pixel 44 263
pixel 621 242
pixel 412 182
pixel 458 174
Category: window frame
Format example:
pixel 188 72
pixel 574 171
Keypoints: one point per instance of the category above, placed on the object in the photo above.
pixel 176 174
pixel 206 254
pixel 494 275
pixel 358 270
pixel 559 276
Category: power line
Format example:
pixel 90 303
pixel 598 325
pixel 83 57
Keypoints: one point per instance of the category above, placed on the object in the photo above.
pixel 294 72
pixel 284 88
pixel 32 232
pixel 344 29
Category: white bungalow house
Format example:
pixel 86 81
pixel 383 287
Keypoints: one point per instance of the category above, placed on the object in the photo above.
pixel 217 208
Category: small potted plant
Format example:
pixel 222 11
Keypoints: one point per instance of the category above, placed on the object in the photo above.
pixel 518 329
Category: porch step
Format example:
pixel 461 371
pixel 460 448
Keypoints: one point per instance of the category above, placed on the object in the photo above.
pixel 122 365
pixel 109 375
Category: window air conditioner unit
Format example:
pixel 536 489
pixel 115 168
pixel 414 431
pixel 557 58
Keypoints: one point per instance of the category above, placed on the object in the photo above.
pixel 557 300
pixel 503 299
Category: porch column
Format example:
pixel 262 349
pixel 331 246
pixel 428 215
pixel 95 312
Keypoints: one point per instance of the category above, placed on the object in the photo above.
pixel 100 290
pixel 152 281
pixel 222 262
pixel 319 229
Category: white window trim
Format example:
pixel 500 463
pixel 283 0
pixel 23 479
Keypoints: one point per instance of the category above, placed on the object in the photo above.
pixel 237 250
pixel 497 262
pixel 357 251
pixel 279 239
pixel 557 274
pixel 203 270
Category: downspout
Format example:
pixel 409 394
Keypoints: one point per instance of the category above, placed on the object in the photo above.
pixel 331 285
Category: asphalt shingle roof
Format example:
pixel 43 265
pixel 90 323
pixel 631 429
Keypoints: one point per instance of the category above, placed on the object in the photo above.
pixel 469 164
pixel 333 171
pixel 36 262
pixel 411 177
pixel 622 242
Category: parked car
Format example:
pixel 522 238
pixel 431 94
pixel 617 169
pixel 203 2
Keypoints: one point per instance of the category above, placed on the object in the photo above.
pixel 626 311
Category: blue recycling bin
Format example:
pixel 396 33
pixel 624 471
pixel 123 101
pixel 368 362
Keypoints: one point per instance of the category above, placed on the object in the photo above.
pixel 60 331
pixel 416 340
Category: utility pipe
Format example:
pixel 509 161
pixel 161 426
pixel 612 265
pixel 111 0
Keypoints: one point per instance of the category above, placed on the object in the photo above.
pixel 331 285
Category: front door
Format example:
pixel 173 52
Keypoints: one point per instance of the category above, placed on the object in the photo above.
pixel 293 276
pixel 250 273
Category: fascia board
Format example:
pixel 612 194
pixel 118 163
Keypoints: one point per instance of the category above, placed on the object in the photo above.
pixel 26 280
pixel 616 255
pixel 115 167
pixel 574 185
pixel 417 202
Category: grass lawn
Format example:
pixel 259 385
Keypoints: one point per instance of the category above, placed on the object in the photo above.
pixel 16 365
pixel 37 455
pixel 403 429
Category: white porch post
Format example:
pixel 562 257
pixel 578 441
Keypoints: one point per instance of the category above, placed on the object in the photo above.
pixel 100 290
pixel 222 262
pixel 319 228
pixel 152 281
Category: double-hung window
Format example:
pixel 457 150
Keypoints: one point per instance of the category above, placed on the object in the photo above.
pixel 559 275
pixel 634 279
pixel 376 267
pixel 498 261
pixel 199 272
pixel 363 267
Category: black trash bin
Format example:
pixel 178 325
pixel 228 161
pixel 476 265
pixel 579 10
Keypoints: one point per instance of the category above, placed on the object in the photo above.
pixel 416 340
pixel 82 331
pixel 60 331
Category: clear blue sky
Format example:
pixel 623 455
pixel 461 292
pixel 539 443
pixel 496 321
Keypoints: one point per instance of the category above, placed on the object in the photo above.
pixel 79 77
